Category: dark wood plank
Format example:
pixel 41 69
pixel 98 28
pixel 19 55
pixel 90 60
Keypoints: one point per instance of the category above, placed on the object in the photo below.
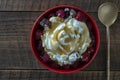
pixel 14 38
pixel 15 51
pixel 47 75
pixel 42 5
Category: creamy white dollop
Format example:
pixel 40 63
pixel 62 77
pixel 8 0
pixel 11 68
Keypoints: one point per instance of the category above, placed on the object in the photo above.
pixel 66 40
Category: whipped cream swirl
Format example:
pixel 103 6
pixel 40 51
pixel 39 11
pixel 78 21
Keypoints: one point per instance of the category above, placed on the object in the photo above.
pixel 66 40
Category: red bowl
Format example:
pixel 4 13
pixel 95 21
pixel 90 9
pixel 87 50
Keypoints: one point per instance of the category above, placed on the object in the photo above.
pixel 34 50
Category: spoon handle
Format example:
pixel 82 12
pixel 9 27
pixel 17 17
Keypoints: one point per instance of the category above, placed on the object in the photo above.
pixel 108 53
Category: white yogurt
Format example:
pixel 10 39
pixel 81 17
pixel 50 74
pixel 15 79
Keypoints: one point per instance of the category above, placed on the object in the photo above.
pixel 65 42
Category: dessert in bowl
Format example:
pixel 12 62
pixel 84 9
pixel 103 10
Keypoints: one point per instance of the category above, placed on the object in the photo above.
pixel 65 39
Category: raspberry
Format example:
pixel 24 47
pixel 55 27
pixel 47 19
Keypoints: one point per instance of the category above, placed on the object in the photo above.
pixel 89 25
pixel 42 53
pixel 91 49
pixel 66 67
pixel 81 17
pixel 60 13
pixel 39 47
pixel 54 65
pixel 51 15
pixel 76 64
pixel 38 35
pixel 93 40
pixel 86 57
pixel 46 58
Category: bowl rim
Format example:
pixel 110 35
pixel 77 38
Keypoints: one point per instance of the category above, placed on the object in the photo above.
pixel 36 53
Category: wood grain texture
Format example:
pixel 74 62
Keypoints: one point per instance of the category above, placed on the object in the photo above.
pixel 42 5
pixel 16 59
pixel 47 75
pixel 15 51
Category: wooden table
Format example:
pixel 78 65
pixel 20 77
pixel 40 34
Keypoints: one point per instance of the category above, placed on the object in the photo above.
pixel 16 59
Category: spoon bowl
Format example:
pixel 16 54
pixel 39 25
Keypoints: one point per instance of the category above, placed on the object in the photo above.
pixel 108 13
